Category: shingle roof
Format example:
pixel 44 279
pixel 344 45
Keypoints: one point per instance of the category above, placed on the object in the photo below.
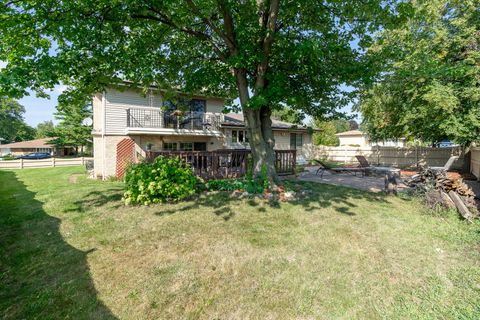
pixel 37 143
pixel 236 119
pixel 350 133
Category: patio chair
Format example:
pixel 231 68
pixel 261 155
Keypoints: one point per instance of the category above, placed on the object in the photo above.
pixel 363 162
pixel 324 166
pixel 447 166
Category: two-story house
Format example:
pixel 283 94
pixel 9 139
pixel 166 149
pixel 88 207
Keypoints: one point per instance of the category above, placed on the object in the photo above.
pixel 127 123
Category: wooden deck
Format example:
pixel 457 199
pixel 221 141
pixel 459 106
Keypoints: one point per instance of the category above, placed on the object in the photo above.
pixel 221 164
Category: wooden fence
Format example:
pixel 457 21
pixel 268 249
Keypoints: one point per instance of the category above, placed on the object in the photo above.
pixel 43 163
pixel 411 158
pixel 226 163
pixel 475 162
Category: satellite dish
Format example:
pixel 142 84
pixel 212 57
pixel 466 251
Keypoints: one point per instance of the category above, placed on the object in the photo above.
pixel 87 121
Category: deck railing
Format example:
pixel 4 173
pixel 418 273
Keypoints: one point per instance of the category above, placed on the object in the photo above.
pixel 156 118
pixel 221 164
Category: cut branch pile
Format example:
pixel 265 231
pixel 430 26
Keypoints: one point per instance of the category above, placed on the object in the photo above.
pixel 439 189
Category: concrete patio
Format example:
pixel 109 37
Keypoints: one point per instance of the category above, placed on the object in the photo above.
pixel 370 183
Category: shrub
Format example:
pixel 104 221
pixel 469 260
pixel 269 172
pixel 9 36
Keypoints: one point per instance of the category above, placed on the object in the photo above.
pixel 166 179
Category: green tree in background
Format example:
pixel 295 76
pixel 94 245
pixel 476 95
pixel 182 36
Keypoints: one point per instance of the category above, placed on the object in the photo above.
pixel 71 130
pixel 12 126
pixel 430 87
pixel 326 135
pixel 268 53
pixel 45 129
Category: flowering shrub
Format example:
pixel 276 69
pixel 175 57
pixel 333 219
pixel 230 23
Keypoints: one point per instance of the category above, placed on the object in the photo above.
pixel 166 179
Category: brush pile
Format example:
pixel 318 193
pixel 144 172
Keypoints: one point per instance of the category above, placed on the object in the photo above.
pixel 439 189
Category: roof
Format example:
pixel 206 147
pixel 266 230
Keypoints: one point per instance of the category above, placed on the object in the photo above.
pixel 350 133
pixel 236 120
pixel 37 143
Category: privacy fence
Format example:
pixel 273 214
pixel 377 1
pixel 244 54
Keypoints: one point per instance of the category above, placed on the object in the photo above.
pixel 475 162
pixel 226 163
pixel 407 158
pixel 43 163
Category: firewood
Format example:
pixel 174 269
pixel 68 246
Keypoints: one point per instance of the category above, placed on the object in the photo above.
pixel 461 207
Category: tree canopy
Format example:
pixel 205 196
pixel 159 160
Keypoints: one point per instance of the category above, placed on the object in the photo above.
pixel 430 85
pixel 12 126
pixel 45 129
pixel 269 53
pixel 71 130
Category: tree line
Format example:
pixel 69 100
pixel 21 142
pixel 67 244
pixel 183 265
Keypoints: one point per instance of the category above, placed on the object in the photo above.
pixel 70 130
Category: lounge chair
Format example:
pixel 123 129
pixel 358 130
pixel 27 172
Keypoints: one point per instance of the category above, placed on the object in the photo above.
pixel 324 166
pixel 447 166
pixel 363 162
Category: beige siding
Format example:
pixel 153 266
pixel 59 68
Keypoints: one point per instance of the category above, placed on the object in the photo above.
pixel 97 113
pixel 282 140
pixel 214 105
pixel 117 103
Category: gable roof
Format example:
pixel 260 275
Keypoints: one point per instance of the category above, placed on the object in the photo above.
pixel 350 133
pixel 236 120
pixel 37 143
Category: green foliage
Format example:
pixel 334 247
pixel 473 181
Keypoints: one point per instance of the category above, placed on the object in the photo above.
pixel 326 135
pixel 8 157
pixel 429 88
pixel 71 131
pixel 12 126
pixel 289 114
pixel 271 54
pixel 45 129
pixel 225 185
pixel 164 180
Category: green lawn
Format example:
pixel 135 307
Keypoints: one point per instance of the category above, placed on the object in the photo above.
pixel 70 249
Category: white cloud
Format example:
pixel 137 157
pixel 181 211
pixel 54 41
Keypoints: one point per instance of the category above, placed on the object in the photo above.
pixel 3 64
pixel 60 88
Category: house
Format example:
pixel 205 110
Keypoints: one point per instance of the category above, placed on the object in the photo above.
pixel 127 123
pixel 357 138
pixel 38 145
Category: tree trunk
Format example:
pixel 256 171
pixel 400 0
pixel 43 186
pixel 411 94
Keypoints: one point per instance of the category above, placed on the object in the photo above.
pixel 259 131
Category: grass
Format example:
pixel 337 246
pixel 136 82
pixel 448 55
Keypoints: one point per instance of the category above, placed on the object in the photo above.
pixel 70 249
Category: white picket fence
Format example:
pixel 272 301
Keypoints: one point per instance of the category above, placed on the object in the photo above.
pixel 43 163
pixel 414 157
pixel 475 162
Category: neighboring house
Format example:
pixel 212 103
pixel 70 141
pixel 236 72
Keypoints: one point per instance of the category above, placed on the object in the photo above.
pixel 357 138
pixel 38 145
pixel 125 119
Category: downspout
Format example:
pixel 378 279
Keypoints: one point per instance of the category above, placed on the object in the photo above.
pixel 104 125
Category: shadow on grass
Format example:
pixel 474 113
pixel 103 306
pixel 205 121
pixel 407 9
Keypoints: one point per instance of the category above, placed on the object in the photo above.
pixel 318 196
pixel 41 276
pixel 111 197
pixel 342 199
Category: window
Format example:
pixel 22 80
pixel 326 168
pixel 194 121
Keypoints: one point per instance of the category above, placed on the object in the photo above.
pixel 192 117
pixel 186 146
pixel 47 150
pixel 296 140
pixel 200 146
pixel 170 146
pixel 239 136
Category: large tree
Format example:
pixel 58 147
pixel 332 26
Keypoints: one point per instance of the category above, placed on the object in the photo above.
pixel 72 130
pixel 45 129
pixel 12 126
pixel 268 53
pixel 430 84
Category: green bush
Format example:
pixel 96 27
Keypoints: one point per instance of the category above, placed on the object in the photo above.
pixel 8 157
pixel 164 180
